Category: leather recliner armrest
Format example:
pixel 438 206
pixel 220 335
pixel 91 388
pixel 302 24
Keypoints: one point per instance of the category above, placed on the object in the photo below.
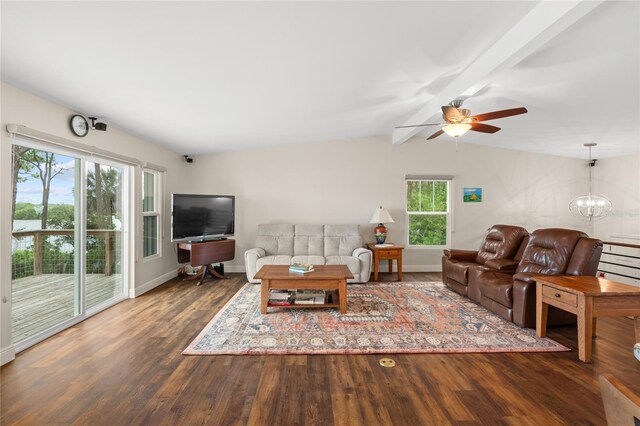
pixel 465 255
pixel 506 265
pixel 524 298
pixel 529 277
pixel 526 277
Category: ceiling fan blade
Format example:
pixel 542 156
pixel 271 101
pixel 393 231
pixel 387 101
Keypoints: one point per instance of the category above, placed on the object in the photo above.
pixel 484 128
pixel 449 113
pixel 436 134
pixel 499 114
pixel 419 125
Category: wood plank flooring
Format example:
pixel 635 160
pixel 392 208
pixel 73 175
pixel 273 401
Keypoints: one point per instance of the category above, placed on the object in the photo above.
pixel 41 301
pixel 124 367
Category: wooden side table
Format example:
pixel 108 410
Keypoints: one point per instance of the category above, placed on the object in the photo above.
pixel 389 252
pixel 588 298
pixel 204 254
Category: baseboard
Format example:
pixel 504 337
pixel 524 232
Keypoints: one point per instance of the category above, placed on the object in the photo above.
pixel 141 289
pixel 235 268
pixel 7 354
pixel 383 268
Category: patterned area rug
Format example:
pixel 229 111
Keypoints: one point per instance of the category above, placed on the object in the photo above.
pixel 406 317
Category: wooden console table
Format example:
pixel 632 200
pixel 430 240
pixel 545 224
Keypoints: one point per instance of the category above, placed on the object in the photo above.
pixel 205 253
pixel 390 253
pixel 588 298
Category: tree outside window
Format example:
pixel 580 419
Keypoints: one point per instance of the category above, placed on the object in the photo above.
pixel 428 211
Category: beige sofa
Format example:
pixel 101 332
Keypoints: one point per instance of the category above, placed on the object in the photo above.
pixel 284 244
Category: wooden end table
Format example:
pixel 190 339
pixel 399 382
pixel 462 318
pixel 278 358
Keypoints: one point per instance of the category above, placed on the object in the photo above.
pixel 325 277
pixel 389 252
pixel 588 298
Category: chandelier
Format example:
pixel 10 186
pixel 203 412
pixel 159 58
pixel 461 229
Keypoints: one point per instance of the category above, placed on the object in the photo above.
pixel 591 206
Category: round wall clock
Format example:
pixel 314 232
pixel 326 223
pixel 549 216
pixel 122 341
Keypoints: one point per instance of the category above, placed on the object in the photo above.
pixel 79 125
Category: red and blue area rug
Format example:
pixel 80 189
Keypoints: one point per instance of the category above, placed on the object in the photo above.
pixel 404 317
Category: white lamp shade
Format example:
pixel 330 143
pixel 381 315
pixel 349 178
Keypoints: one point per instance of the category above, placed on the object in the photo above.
pixel 381 215
pixel 456 129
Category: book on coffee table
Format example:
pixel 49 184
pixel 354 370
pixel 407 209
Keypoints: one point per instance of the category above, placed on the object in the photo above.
pixel 300 267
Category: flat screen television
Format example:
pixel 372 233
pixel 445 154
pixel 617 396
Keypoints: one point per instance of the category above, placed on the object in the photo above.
pixel 201 217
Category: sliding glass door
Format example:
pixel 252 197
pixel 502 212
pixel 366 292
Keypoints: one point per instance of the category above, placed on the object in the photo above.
pixel 104 243
pixel 69 216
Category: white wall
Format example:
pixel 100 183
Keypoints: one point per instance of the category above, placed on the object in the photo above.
pixel 20 107
pixel 344 181
pixel 618 179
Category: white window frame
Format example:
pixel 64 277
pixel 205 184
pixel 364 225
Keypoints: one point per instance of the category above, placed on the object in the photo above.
pixel 156 212
pixel 448 213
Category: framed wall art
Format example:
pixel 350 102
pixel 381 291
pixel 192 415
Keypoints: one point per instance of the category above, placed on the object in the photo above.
pixel 472 195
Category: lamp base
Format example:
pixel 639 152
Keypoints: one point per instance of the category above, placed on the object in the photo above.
pixel 381 233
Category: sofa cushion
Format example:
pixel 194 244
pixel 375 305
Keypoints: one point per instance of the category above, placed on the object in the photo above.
pixel 458 271
pixel 497 286
pixel 341 240
pixel 353 263
pixel 280 259
pixel 275 239
pixel 313 260
pixel 501 241
pixel 549 251
pixel 308 240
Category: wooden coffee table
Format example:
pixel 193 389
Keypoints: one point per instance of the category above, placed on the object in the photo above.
pixel 325 277
pixel 588 298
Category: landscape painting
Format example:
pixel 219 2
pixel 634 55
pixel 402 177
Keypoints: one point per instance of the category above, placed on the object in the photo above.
pixel 472 195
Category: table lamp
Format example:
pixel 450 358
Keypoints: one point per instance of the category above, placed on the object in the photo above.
pixel 380 216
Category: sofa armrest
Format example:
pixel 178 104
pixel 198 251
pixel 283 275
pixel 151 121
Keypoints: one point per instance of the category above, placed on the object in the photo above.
pixel 529 277
pixel 526 277
pixel 506 265
pixel 258 251
pixel 524 300
pixel 465 255
pixel 251 257
pixel 365 256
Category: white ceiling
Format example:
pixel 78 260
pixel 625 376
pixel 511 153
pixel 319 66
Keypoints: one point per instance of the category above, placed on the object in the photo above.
pixel 201 77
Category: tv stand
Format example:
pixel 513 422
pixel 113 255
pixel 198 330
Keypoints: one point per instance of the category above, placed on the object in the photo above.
pixel 204 254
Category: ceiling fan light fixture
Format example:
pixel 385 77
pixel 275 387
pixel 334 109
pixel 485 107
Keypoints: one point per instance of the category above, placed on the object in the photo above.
pixel 456 129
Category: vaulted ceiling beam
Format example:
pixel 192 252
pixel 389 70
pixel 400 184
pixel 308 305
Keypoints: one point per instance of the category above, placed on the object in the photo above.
pixel 544 22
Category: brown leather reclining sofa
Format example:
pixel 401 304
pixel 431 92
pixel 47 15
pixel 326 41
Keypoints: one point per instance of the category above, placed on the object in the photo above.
pixel 499 275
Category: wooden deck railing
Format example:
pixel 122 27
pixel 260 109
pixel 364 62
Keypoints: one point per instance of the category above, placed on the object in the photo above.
pixel 39 234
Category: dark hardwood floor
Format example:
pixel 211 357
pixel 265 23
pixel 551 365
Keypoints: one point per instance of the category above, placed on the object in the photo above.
pixel 124 367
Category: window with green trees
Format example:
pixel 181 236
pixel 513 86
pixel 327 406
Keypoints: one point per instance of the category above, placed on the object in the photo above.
pixel 428 211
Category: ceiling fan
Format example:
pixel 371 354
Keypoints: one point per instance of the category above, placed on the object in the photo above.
pixel 459 120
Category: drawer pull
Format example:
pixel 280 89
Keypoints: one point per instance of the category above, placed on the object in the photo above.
pixel 557 294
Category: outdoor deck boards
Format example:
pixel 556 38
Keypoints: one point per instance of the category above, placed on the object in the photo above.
pixel 42 301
